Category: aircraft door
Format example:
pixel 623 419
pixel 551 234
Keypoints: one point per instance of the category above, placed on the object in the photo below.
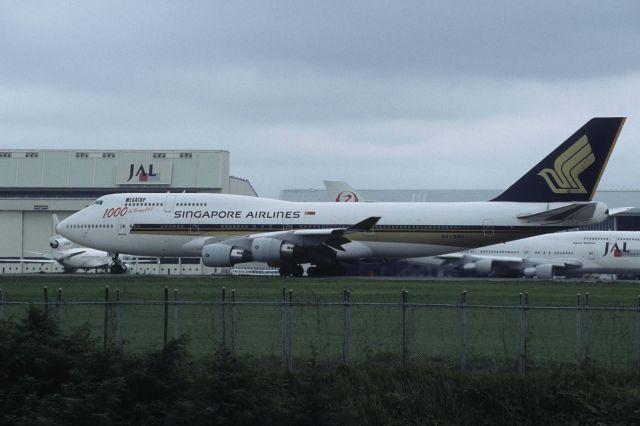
pixel 169 202
pixel 487 228
pixel 194 228
pixel 123 226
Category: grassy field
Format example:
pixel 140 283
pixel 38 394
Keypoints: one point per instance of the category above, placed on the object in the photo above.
pixel 85 287
pixel 491 335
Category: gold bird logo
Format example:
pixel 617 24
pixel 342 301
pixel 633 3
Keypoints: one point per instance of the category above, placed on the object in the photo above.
pixel 564 177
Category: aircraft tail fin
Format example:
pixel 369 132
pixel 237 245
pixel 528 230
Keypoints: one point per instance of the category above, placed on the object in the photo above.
pixel 54 219
pixel 573 170
pixel 341 192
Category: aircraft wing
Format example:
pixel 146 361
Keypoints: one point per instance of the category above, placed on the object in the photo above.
pixel 317 236
pixel 70 254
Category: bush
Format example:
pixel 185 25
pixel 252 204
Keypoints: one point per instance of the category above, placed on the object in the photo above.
pixel 51 378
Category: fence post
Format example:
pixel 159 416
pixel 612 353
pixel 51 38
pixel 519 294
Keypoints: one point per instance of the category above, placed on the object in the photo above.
pixel 463 330
pixel 233 321
pixel 405 326
pixel 346 296
pixel 46 303
pixel 175 313
pixel 1 305
pixel 165 328
pixel 105 328
pixel 283 327
pixel 59 308
pixel 117 319
pixel 638 329
pixel 521 335
pixel 290 332
pixel 578 332
pixel 585 326
pixel 224 316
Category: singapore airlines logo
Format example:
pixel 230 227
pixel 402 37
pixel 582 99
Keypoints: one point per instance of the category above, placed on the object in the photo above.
pixel 564 178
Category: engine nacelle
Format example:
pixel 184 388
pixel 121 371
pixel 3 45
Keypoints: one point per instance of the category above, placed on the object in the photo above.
pixel 58 242
pixel 271 250
pixel 543 272
pixel 221 255
pixel 482 268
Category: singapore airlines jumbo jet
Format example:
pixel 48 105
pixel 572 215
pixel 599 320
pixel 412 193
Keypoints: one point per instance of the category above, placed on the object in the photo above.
pixel 228 229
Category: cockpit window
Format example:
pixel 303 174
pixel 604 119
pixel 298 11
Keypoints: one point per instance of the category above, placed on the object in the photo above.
pixel 98 202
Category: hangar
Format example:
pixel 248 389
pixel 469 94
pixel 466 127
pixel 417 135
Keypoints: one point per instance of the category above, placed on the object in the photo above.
pixel 34 184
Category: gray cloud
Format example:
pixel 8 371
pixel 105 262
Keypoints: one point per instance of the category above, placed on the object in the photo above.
pixel 416 94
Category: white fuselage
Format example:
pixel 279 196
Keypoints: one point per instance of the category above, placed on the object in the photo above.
pixel 181 224
pixel 609 252
pixel 82 258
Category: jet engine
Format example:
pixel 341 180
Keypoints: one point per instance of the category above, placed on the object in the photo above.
pixel 271 250
pixel 543 272
pixel 58 242
pixel 482 268
pixel 221 255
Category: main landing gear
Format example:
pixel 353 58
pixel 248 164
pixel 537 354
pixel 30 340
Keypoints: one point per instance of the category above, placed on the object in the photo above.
pixel 291 270
pixel 322 270
pixel 331 270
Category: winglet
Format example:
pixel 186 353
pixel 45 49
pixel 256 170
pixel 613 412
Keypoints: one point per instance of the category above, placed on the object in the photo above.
pixel 363 226
pixel 573 170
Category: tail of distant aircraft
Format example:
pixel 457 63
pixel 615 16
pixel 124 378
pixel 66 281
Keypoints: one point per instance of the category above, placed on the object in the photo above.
pixel 54 219
pixel 573 170
pixel 341 192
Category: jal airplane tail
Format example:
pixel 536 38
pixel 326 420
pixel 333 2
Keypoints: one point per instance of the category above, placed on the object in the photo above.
pixel 341 192
pixel 573 170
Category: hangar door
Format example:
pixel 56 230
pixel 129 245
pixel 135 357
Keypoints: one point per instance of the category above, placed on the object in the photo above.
pixel 37 228
pixel 11 231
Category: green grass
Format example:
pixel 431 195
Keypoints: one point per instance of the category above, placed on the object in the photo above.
pixel 435 333
pixel 80 287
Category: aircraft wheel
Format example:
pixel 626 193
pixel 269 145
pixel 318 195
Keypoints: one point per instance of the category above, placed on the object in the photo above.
pixel 298 271
pixel 116 268
pixel 285 271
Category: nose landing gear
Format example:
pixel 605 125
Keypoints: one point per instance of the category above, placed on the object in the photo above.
pixel 116 266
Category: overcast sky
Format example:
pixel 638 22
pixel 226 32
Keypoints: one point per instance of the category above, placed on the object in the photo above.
pixel 393 95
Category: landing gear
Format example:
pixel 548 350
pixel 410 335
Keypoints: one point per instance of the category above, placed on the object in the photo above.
pixel 291 270
pixel 335 269
pixel 117 267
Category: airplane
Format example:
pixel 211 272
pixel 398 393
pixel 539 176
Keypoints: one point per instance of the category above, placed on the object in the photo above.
pixel 341 192
pixel 71 257
pixel 570 254
pixel 228 229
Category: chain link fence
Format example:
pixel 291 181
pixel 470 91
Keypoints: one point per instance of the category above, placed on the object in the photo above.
pixel 461 336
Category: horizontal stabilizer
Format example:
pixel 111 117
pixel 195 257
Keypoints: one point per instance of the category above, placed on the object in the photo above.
pixel 571 211
pixel 619 210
